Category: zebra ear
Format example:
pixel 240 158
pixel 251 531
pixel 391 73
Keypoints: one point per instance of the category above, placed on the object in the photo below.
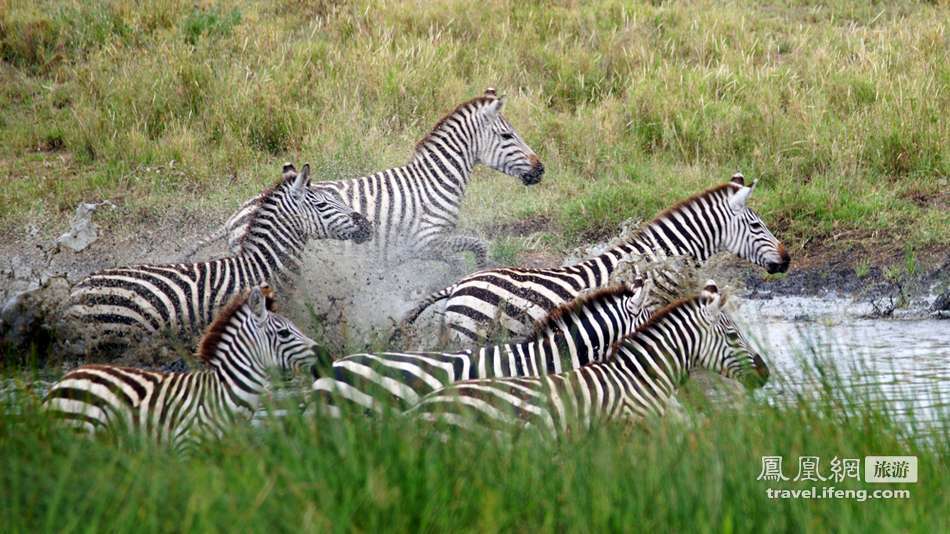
pixel 490 92
pixel 644 287
pixel 258 304
pixel 738 178
pixel 738 200
pixel 711 292
pixel 710 288
pixel 289 171
pixel 301 182
pixel 494 108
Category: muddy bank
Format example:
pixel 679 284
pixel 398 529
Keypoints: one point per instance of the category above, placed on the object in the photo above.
pixel 875 292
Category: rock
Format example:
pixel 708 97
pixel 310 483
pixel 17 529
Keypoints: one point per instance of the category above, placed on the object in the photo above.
pixel 20 321
pixel 941 306
pixel 25 318
pixel 83 231
pixel 941 303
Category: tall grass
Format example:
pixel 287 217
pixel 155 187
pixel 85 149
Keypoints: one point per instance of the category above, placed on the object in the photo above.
pixel 838 108
pixel 303 473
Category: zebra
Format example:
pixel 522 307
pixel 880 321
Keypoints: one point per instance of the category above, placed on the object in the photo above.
pixel 638 381
pixel 702 225
pixel 109 308
pixel 240 348
pixel 416 207
pixel 575 334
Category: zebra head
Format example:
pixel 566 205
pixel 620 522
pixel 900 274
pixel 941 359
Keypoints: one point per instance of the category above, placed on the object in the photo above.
pixel 325 214
pixel 501 147
pixel 746 234
pixel 277 343
pixel 724 349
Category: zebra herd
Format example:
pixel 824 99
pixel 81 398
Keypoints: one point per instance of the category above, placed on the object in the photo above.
pixel 559 349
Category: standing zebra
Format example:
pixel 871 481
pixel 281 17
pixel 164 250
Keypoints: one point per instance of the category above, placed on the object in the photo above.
pixel 109 307
pixel 245 342
pixel 577 333
pixel 713 221
pixel 415 207
pixel 639 380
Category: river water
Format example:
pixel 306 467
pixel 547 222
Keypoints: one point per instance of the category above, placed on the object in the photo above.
pixel 904 363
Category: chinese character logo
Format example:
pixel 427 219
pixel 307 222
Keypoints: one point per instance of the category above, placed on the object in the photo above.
pixel 772 469
pixel 890 469
pixel 845 468
pixel 808 469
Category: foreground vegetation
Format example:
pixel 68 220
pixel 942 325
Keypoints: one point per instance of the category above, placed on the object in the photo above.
pixel 838 109
pixel 304 474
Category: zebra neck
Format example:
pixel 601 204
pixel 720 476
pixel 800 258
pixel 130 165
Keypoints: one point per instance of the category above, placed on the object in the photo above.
pixel 564 341
pixel 658 237
pixel 657 353
pixel 236 388
pixel 268 261
pixel 553 350
pixel 450 165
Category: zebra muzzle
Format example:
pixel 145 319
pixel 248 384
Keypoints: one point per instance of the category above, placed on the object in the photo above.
pixel 534 175
pixel 364 229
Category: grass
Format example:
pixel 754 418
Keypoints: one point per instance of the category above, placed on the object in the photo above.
pixel 302 473
pixel 837 109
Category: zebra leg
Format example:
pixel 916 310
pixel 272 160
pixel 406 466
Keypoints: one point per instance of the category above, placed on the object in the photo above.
pixel 460 243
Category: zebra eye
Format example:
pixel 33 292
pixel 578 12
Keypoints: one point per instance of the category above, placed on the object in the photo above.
pixel 284 332
pixel 507 136
pixel 756 225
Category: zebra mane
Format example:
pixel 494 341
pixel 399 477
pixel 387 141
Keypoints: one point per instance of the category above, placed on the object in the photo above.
pixel 215 331
pixel 579 303
pixel 478 101
pixel 707 193
pixel 660 315
pixel 260 201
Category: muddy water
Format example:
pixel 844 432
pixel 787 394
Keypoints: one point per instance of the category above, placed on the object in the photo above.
pixel 902 363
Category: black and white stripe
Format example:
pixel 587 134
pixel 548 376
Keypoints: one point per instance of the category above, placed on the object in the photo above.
pixel 415 208
pixel 637 382
pixel 114 306
pixel 246 341
pixel 576 334
pixel 507 299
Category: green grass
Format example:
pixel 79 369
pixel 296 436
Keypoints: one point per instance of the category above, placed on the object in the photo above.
pixel 837 108
pixel 308 474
